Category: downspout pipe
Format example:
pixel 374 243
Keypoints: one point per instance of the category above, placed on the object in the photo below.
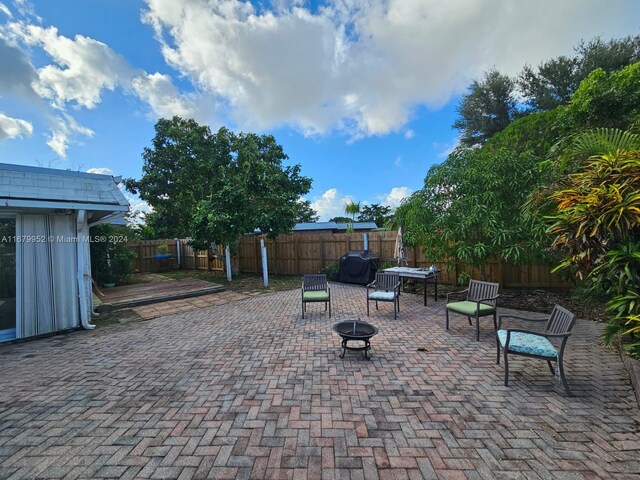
pixel 82 229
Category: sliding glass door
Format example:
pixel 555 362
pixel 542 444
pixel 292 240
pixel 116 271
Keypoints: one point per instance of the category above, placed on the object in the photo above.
pixel 7 278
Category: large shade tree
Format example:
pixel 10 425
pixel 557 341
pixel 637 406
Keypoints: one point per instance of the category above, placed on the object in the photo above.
pixel 215 187
pixel 488 107
pixel 306 213
pixel 554 81
pixel 379 214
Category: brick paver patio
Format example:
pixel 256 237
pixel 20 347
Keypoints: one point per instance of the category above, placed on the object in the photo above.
pixel 250 390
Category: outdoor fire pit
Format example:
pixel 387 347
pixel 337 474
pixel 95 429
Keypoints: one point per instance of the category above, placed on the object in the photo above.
pixel 355 330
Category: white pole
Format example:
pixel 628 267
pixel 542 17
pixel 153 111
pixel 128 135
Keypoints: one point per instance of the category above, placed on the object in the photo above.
pixel 366 242
pixel 227 255
pixel 178 252
pixel 265 271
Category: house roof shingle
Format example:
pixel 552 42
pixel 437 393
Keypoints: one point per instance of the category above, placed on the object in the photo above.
pixel 35 184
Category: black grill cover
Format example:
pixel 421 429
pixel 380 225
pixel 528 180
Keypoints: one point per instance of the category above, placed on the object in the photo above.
pixel 358 267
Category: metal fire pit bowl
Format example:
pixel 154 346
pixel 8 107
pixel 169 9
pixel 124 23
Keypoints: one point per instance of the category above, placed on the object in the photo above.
pixel 355 330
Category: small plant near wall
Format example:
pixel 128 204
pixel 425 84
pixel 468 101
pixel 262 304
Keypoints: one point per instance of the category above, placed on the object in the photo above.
pixel 330 270
pixel 463 278
pixel 111 259
pixel 162 252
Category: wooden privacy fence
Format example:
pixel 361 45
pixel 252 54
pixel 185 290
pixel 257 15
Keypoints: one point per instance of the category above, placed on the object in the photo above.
pixel 308 253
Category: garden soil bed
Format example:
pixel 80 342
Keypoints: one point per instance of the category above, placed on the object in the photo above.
pixel 541 301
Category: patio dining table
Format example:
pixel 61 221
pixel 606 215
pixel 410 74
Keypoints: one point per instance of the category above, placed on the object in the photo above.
pixel 426 274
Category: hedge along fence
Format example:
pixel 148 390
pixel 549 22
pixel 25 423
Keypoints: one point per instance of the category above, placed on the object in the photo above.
pixel 308 253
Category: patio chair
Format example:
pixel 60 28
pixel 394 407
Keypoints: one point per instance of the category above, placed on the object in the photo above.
pixel 315 289
pixel 529 343
pixel 386 288
pixel 480 302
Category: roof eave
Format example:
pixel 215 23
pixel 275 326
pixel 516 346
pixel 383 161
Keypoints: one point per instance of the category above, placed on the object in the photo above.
pixel 21 203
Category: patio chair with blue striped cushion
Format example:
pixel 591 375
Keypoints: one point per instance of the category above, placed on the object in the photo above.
pixel 529 343
pixel 386 288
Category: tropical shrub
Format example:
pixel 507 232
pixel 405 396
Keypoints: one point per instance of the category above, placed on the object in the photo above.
pixel 596 225
pixel 469 209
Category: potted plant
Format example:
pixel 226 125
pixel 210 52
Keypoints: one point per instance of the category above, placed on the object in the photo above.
pixel 108 279
pixel 162 251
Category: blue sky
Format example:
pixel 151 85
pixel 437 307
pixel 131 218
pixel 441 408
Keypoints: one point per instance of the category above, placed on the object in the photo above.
pixel 361 93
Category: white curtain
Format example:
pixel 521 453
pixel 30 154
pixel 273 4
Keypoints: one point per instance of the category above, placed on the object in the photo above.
pixel 47 289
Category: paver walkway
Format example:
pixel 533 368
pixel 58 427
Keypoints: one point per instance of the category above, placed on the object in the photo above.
pixel 250 390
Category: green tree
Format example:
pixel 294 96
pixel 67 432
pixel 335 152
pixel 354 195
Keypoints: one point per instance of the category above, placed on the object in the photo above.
pixel 488 107
pixel 609 56
pixel 215 187
pixel 555 81
pixel 351 208
pixel 551 85
pixel 609 100
pixel 379 214
pixel 306 213
pixel 470 209
pixel 340 219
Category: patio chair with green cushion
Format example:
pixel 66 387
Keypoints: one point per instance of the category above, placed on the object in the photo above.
pixel 386 288
pixel 529 343
pixel 315 289
pixel 480 302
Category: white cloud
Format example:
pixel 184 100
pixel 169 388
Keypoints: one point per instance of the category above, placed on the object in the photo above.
pixel 13 127
pixel 83 66
pixel 82 69
pixel 395 196
pixel 363 66
pixel 5 10
pixel 64 129
pixel 398 161
pixel 163 97
pixel 330 204
pixel 101 171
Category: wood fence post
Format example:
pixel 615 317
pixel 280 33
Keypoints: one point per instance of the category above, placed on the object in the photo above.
pixel 238 261
pixel 258 255
pixel 274 242
pixel 321 251
pixel 296 243
pixel 380 252
pixel 139 254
